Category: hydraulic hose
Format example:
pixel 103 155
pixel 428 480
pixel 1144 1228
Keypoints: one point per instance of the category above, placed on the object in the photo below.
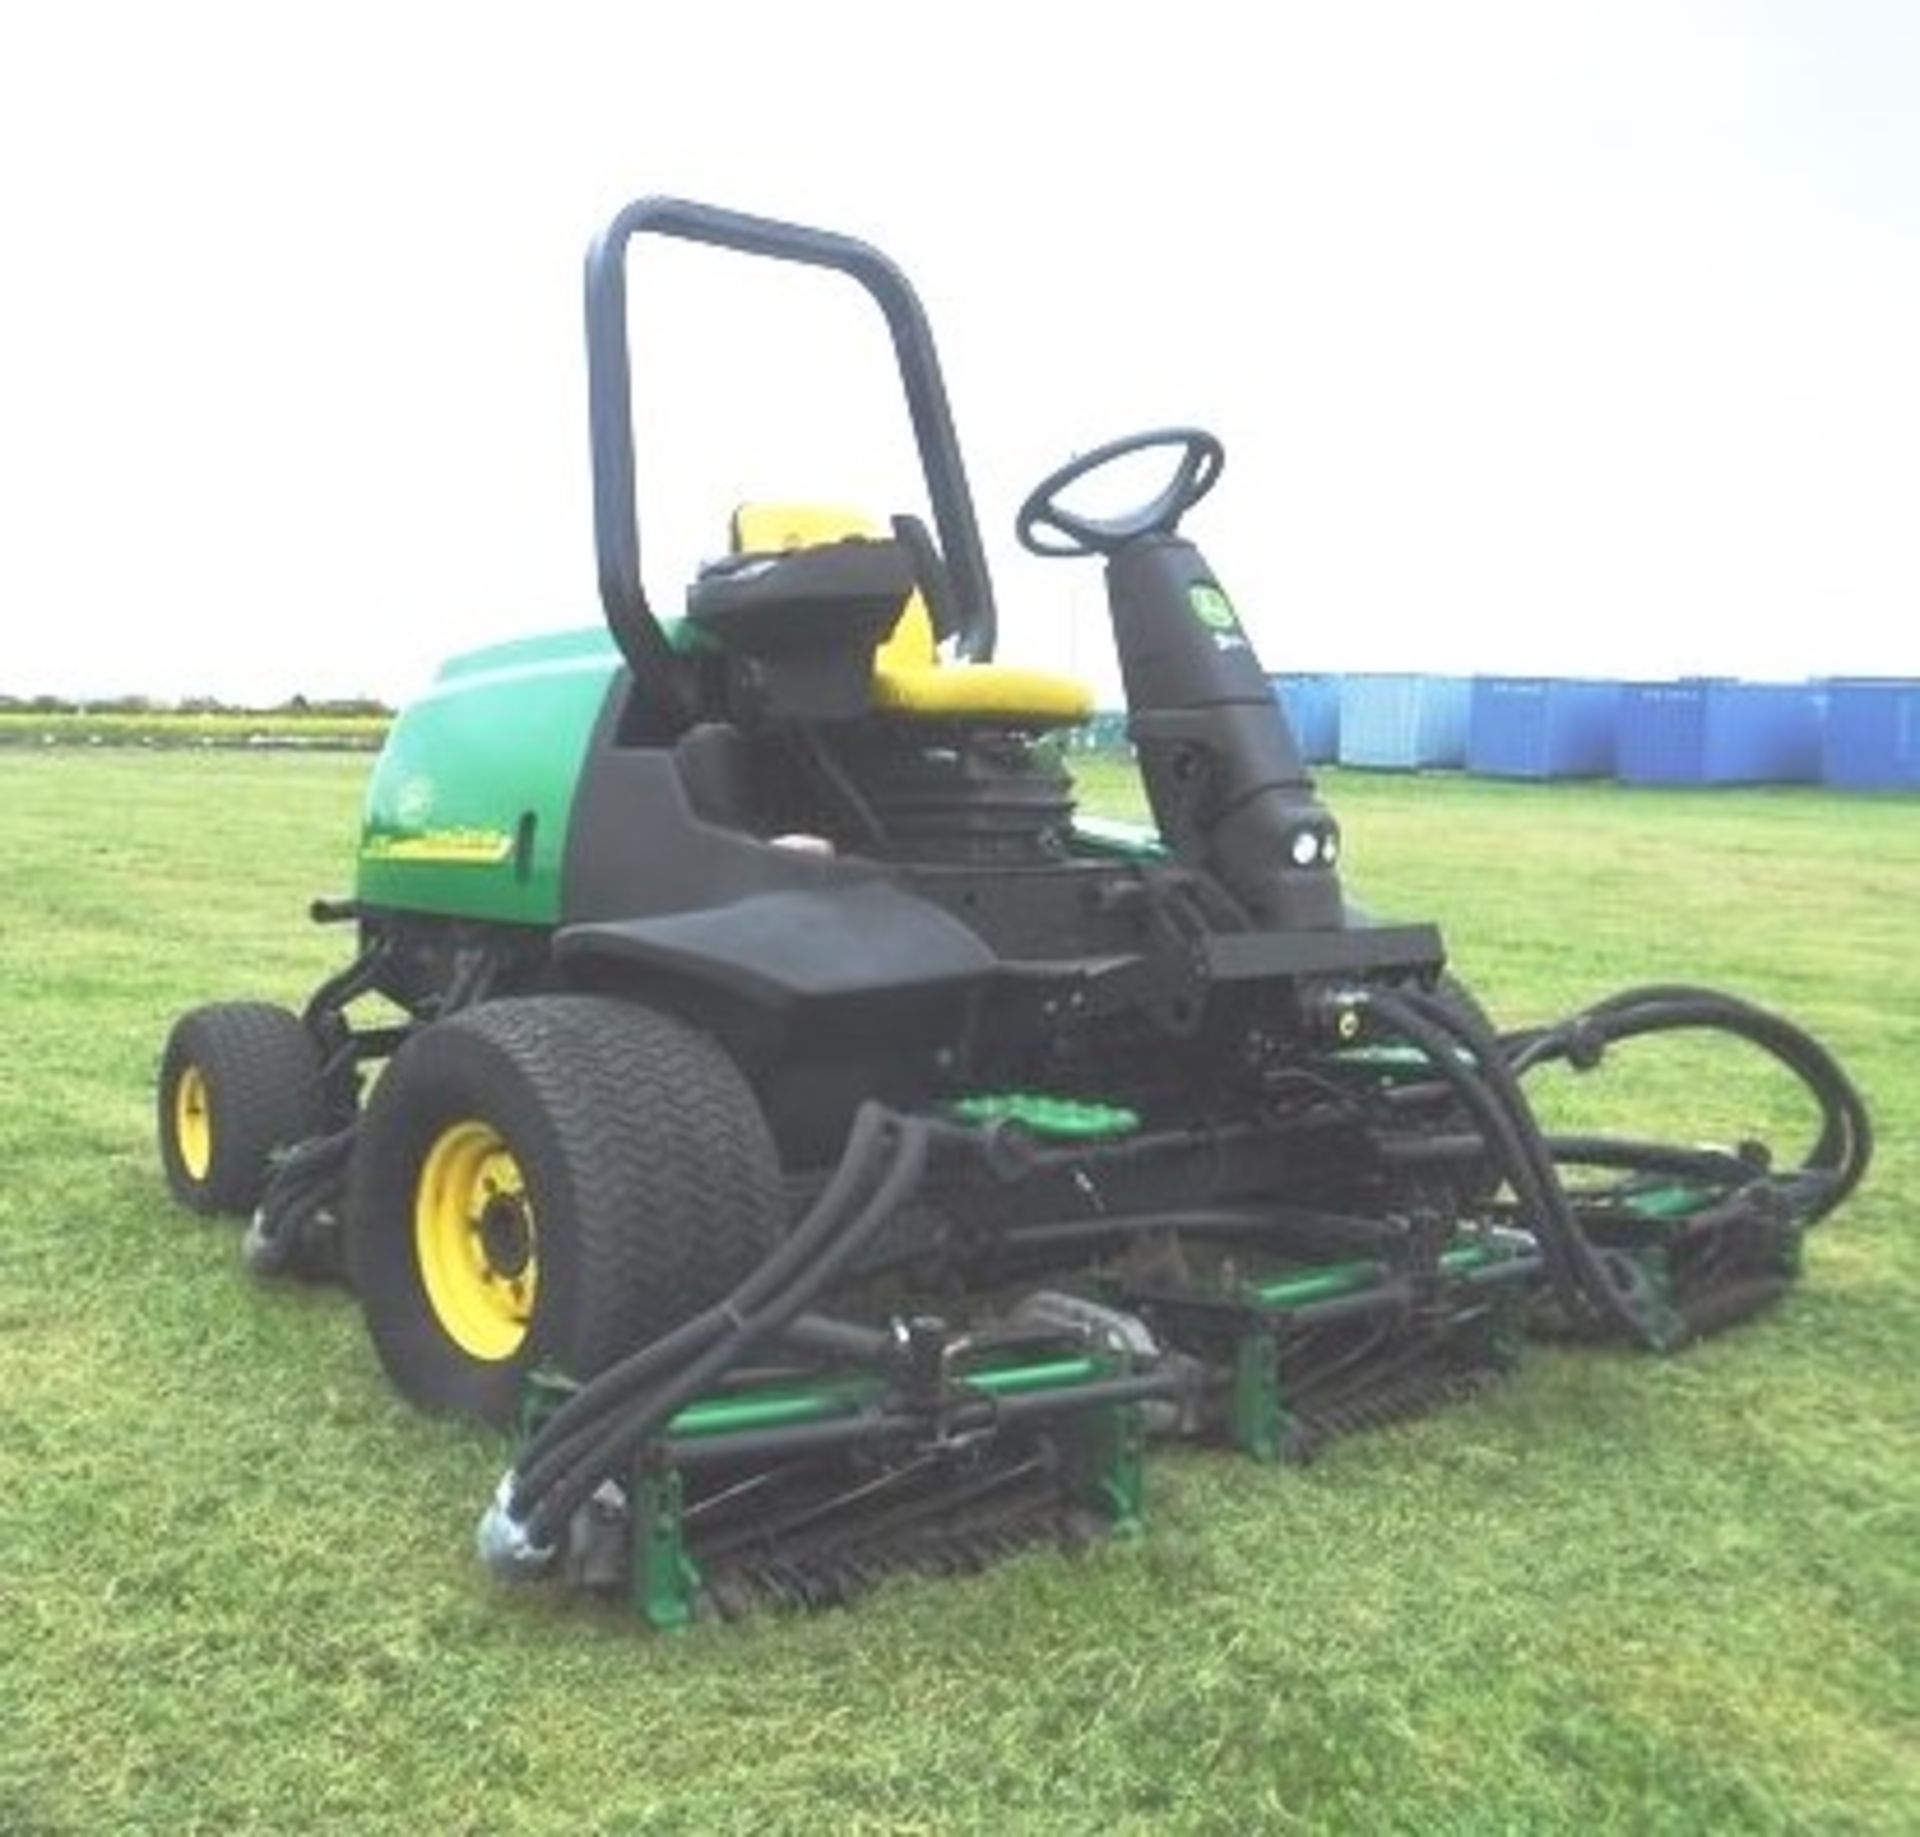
pixel 860 1163
pixel 574 1428
pixel 644 1416
pixel 309 1180
pixel 1839 1157
pixel 1714 1165
pixel 1844 1148
pixel 546 1494
pixel 506 1541
pixel 1491 1093
pixel 1580 1278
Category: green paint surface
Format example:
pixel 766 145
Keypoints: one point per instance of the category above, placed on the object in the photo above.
pixel 1065 1119
pixel 469 803
pixel 1349 1278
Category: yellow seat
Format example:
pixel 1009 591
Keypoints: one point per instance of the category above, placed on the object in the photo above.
pixel 908 677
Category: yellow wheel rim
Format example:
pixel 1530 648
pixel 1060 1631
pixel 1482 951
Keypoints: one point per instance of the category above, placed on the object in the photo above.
pixel 193 1123
pixel 474 1234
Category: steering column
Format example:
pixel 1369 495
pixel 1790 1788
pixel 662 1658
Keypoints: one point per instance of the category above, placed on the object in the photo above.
pixel 1221 768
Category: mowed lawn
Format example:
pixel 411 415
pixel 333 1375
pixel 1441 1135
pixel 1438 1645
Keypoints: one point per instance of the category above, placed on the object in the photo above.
pixel 1618 1594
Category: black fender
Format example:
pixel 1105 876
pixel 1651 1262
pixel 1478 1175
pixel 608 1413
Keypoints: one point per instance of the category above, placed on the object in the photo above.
pixel 827 950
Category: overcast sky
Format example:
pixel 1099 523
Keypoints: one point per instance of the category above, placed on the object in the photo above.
pixel 1541 336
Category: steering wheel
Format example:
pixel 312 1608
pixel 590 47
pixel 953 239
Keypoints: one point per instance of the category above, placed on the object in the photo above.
pixel 1046 527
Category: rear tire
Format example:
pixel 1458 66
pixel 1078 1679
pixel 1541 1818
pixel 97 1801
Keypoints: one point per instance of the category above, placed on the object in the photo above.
pixel 239 1082
pixel 551 1178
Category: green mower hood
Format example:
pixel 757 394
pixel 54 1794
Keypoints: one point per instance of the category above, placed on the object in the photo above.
pixel 468 809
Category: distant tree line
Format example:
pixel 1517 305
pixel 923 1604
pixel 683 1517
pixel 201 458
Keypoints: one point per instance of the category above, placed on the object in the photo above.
pixel 294 706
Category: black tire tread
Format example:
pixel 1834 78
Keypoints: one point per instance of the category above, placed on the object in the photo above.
pixel 654 1180
pixel 264 1090
pixel 679 1183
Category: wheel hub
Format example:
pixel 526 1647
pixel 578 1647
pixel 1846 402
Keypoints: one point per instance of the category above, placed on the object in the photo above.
pixel 506 1235
pixel 193 1122
pixel 476 1240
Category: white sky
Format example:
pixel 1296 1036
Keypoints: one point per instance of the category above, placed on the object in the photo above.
pixel 1542 336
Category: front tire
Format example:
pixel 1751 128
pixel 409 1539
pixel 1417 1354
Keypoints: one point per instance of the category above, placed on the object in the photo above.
pixel 551 1178
pixel 239 1083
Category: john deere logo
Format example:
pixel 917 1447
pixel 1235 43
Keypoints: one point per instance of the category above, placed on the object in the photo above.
pixel 1212 608
pixel 415 803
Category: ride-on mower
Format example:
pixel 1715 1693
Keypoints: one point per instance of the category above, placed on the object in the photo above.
pixel 833 1152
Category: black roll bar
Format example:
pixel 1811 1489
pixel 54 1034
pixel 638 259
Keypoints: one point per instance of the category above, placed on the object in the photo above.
pixel 616 527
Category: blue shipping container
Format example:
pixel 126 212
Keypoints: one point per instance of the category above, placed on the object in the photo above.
pixel 1103 731
pixel 1872 737
pixel 1542 727
pixel 1312 708
pixel 1404 722
pixel 1714 732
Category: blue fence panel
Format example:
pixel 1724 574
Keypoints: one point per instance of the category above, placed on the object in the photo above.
pixel 1872 737
pixel 1711 732
pixel 1404 721
pixel 1312 707
pixel 1543 727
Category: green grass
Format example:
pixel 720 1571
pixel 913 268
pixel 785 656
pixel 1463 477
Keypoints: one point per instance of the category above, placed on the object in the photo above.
pixel 1619 1594
pixel 172 727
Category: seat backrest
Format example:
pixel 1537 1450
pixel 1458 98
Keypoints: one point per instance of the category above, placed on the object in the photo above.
pixel 761 528
pixel 906 682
